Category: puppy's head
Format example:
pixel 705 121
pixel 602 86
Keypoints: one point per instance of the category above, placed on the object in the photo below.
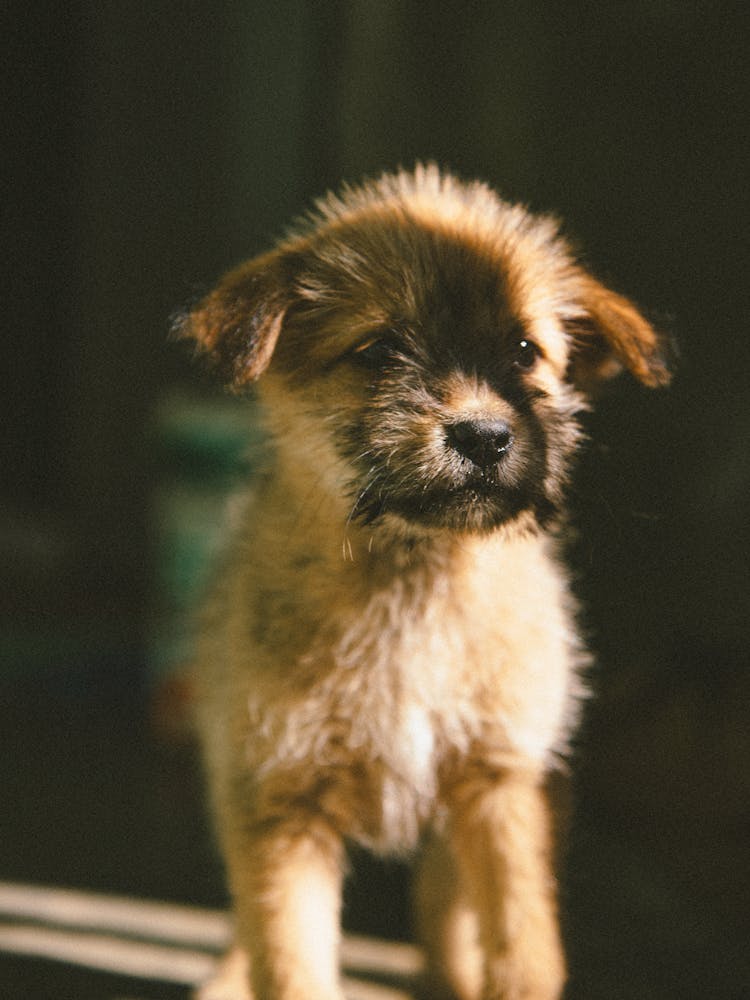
pixel 424 349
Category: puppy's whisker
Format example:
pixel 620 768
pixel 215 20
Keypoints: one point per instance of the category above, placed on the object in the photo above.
pixel 307 513
pixel 362 494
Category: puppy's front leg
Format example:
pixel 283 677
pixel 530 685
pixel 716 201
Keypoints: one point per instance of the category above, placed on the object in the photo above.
pixel 501 834
pixel 286 880
pixel 447 927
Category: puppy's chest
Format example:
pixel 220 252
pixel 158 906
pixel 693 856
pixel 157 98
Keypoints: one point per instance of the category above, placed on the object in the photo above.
pixel 379 699
pixel 420 675
pixel 397 705
pixel 408 681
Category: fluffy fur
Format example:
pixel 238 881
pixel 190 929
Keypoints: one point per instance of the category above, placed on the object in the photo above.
pixel 390 656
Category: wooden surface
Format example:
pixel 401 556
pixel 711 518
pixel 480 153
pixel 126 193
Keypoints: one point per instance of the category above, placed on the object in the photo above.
pixel 167 942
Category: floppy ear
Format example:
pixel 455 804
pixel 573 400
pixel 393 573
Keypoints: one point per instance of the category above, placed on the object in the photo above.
pixel 237 325
pixel 611 334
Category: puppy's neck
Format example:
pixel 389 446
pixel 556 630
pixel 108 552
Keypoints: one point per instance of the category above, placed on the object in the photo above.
pixel 392 544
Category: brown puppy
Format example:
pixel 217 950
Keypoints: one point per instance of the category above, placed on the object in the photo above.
pixel 391 648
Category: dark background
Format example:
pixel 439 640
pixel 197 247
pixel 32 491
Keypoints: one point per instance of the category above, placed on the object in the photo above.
pixel 148 147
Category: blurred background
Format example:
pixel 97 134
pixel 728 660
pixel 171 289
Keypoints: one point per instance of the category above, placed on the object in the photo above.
pixel 147 148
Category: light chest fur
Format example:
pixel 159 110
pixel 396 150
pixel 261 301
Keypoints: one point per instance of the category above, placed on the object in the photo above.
pixel 381 668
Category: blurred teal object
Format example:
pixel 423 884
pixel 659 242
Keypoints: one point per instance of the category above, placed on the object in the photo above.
pixel 208 448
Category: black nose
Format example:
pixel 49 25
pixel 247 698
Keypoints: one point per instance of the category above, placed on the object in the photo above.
pixel 483 442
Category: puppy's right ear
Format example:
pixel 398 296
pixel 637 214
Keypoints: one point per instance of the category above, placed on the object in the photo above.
pixel 236 326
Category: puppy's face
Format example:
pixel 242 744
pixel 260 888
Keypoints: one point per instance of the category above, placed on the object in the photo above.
pixel 430 346
pixel 448 406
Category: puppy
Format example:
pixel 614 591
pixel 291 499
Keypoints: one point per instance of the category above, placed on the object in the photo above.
pixel 390 656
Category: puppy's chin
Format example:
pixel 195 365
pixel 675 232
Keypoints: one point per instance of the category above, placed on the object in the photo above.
pixel 477 510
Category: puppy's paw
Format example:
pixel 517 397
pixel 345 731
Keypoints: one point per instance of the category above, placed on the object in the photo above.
pixel 230 981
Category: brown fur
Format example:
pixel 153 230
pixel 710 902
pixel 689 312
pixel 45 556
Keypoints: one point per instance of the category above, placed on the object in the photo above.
pixel 391 648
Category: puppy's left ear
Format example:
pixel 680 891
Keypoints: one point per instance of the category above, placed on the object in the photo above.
pixel 611 334
pixel 237 325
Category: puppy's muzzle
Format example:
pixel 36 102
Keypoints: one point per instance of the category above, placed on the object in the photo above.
pixel 484 442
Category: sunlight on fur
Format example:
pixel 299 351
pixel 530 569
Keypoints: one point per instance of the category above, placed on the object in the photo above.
pixel 390 656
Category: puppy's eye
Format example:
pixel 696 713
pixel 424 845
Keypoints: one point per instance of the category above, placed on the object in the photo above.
pixel 376 351
pixel 526 354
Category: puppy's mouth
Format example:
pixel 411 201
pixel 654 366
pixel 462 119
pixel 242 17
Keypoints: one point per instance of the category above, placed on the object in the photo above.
pixel 482 477
pixel 477 507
